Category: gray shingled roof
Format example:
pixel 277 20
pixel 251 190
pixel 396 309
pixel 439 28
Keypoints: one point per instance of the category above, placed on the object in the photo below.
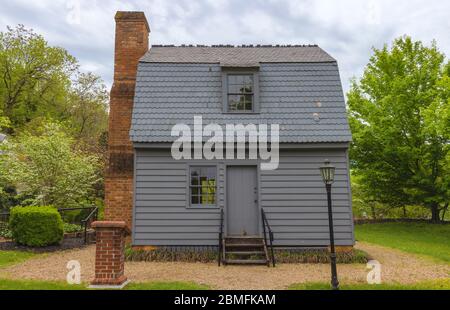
pixel 231 56
pixel 300 89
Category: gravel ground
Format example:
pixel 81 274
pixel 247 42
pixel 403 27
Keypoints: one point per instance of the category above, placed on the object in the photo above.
pixel 397 266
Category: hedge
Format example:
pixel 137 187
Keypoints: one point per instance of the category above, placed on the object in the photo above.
pixel 36 226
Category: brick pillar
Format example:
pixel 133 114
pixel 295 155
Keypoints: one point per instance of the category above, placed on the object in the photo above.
pixel 109 253
pixel 131 43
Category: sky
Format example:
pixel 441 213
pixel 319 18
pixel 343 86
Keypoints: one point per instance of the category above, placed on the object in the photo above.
pixel 346 29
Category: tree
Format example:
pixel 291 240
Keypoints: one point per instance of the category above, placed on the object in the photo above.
pixel 399 113
pixel 34 77
pixel 48 168
pixel 86 111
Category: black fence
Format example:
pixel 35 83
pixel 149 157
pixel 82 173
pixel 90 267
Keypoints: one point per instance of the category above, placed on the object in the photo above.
pixel 4 218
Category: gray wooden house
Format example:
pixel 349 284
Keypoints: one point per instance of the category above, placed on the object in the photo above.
pixel 297 87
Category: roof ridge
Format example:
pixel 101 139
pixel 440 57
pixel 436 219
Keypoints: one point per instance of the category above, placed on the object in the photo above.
pixel 236 46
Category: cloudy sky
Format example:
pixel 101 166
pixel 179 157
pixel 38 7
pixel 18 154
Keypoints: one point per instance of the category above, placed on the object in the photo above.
pixel 347 29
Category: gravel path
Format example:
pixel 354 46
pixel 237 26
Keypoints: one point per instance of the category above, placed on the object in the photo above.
pixel 397 266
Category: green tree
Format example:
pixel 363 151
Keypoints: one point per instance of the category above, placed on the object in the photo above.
pixel 86 111
pixel 399 112
pixel 48 168
pixel 34 77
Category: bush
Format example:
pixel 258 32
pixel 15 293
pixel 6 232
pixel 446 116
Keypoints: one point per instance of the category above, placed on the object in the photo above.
pixel 72 228
pixel 171 255
pixel 320 256
pixel 5 233
pixel 36 226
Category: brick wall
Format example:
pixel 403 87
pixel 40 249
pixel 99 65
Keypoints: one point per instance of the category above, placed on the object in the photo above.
pixel 131 43
pixel 109 253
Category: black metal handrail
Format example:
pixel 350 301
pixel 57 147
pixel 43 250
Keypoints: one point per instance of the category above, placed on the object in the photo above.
pixel 88 220
pixel 271 237
pixel 219 251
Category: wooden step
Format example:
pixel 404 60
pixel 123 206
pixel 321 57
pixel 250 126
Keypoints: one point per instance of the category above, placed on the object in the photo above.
pixel 245 261
pixel 246 252
pixel 245 240
pixel 243 245
pixel 243 248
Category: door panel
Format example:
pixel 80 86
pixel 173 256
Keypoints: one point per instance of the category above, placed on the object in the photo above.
pixel 242 201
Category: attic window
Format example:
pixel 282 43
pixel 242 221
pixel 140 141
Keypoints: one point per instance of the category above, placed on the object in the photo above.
pixel 240 92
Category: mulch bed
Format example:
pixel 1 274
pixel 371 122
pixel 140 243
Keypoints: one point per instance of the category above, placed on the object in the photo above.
pixel 66 244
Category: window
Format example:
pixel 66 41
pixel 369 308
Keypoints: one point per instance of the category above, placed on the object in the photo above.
pixel 202 186
pixel 240 92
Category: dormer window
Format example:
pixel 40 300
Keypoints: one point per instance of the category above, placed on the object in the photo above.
pixel 240 90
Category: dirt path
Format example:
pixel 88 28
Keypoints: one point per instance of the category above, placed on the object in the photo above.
pixel 397 266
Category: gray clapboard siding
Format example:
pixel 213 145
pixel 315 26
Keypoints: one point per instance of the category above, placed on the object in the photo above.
pixel 293 197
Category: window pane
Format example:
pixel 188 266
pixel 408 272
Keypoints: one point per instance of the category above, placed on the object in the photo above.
pixel 194 181
pixel 212 200
pixel 239 79
pixel 248 79
pixel 236 102
pixel 204 198
pixel 211 173
pixel 194 200
pixel 232 80
pixel 234 89
pixel 249 102
pixel 194 191
pixel 233 102
pixel 194 176
pixel 247 89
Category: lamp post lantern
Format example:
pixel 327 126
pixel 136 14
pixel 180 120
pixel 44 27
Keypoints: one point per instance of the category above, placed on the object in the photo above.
pixel 327 172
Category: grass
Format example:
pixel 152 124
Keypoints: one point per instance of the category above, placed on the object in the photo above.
pixel 8 258
pixel 7 284
pixel 166 286
pixel 419 238
pixel 443 284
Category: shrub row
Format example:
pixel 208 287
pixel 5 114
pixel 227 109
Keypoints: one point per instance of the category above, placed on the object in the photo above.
pixel 309 256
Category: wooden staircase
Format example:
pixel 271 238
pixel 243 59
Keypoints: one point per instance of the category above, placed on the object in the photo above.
pixel 245 251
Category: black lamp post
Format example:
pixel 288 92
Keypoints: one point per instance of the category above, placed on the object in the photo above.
pixel 327 172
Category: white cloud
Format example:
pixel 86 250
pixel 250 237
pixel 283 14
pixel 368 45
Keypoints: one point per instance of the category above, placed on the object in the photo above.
pixel 347 29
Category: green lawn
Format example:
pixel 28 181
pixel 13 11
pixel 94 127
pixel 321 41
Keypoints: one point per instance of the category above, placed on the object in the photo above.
pixel 37 285
pixel 8 258
pixel 166 286
pixel 443 284
pixel 419 238
pixel 6 284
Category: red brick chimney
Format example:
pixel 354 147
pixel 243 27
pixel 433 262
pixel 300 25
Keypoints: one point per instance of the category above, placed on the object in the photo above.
pixel 132 31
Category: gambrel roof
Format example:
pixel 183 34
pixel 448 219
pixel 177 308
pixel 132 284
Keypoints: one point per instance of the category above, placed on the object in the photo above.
pixel 299 88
